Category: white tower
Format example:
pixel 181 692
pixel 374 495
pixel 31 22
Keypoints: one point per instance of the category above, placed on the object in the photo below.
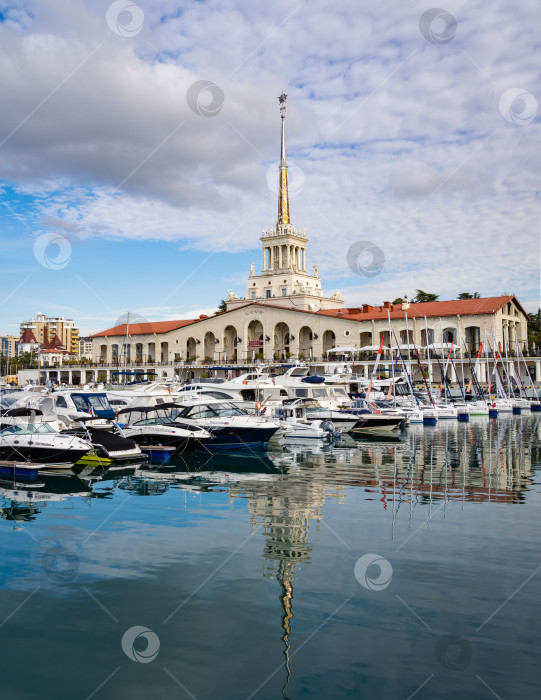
pixel 284 280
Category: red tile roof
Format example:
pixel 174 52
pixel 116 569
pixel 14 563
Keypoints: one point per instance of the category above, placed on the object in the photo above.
pixel 53 344
pixel 454 307
pixel 144 328
pixel 28 336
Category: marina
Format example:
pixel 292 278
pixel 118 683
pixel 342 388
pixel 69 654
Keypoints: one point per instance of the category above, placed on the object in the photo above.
pixel 262 551
pixel 241 459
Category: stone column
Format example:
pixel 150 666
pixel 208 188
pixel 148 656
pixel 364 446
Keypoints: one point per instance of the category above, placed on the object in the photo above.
pixel 304 259
pixel 317 346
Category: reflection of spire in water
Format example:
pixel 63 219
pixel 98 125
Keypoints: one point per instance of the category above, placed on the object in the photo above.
pixel 286 599
pixel 285 515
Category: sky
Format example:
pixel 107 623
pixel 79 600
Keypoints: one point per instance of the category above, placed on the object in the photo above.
pixel 139 147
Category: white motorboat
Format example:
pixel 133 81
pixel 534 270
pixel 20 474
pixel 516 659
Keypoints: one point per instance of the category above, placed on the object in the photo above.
pixel 40 442
pixel 108 441
pixel 373 421
pixel 230 426
pixel 313 411
pixel 160 425
pixel 297 425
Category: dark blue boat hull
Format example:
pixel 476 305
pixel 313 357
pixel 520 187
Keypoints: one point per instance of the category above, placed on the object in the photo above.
pixel 240 438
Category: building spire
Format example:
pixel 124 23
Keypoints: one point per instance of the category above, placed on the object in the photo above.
pixel 283 195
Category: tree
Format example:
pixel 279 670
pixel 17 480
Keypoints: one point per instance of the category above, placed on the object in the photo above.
pixel 534 330
pixel 424 296
pixel 399 300
pixel 468 295
pixel 222 306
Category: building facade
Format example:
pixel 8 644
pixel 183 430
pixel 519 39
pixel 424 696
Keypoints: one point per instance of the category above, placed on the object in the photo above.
pixel 273 333
pixel 85 348
pixel 8 345
pixel 47 328
pixel 286 314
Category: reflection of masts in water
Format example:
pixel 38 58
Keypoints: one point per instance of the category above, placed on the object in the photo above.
pixel 408 472
pixel 286 599
pixel 394 495
pixel 430 497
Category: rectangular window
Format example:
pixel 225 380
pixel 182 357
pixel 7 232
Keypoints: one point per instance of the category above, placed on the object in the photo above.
pixel 268 291
pixel 253 295
pixel 284 291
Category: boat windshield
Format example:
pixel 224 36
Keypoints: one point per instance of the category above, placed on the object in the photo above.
pixel 155 420
pixel 212 411
pixel 29 428
pixel 99 402
pixel 321 393
pixel 7 401
pixel 153 417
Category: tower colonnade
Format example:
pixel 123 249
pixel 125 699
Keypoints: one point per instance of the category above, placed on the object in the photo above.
pixel 284 257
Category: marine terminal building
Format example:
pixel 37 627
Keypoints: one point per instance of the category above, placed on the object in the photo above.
pixel 286 313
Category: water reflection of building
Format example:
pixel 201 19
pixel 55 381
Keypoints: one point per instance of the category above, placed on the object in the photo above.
pixel 284 509
pixel 25 500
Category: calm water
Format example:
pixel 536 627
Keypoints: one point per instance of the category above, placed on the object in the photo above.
pixel 379 569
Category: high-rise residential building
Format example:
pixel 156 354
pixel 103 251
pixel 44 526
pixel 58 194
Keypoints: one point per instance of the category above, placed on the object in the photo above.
pixel 8 345
pixel 46 328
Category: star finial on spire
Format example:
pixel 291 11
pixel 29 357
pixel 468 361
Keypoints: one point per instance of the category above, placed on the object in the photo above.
pixel 282 100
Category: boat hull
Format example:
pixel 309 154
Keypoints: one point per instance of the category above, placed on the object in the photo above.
pixel 376 424
pixel 44 455
pixel 181 443
pixel 237 438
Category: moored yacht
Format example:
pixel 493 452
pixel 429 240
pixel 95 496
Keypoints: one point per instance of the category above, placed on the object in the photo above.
pixel 298 426
pixel 40 442
pixel 229 425
pixel 108 442
pixel 160 425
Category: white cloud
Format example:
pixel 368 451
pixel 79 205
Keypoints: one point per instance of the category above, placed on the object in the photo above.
pixel 400 141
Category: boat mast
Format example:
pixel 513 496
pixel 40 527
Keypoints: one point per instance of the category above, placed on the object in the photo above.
pixel 521 355
pixel 392 358
pixel 489 376
pixel 516 369
pixel 461 354
pixel 428 356
pixel 126 345
pixel 408 337
pixel 399 350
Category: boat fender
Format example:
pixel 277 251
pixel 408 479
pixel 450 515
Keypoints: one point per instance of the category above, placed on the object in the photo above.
pixel 245 381
pixel 258 405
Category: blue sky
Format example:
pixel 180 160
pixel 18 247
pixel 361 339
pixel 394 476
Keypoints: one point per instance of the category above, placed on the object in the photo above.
pixel 418 132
